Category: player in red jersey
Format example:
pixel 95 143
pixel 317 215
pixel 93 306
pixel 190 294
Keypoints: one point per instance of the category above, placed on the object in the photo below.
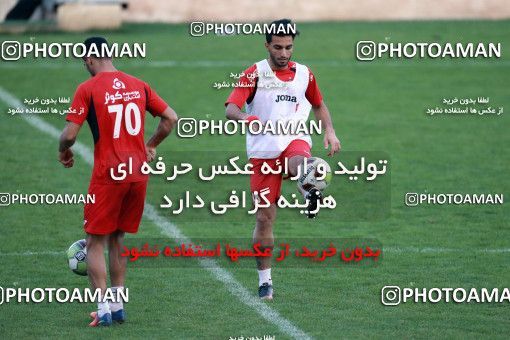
pixel 278 89
pixel 114 104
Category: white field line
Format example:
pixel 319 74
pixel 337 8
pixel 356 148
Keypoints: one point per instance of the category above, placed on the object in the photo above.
pixel 35 253
pixel 171 230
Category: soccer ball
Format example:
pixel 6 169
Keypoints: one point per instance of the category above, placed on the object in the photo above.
pixel 77 257
pixel 313 175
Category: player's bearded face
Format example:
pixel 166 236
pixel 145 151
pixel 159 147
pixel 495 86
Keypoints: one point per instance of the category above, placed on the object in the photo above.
pixel 280 50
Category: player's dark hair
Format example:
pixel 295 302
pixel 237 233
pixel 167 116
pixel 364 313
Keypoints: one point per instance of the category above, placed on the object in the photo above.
pixel 98 41
pixel 286 24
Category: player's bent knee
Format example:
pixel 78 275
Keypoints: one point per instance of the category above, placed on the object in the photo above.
pixel 265 218
pixel 96 240
pixel 116 237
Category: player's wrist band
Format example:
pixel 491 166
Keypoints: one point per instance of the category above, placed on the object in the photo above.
pixel 252 118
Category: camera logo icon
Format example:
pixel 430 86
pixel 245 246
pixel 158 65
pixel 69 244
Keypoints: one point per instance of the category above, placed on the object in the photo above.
pixel 187 127
pixel 197 29
pixel 411 199
pixel 390 295
pixel 365 50
pixel 11 50
pixel 5 199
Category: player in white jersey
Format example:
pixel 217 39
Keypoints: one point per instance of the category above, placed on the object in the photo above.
pixel 279 90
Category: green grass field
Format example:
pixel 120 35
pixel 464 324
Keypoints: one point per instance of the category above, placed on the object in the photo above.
pixel 376 107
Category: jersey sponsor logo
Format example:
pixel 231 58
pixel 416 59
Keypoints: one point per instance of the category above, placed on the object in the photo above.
pixel 117 84
pixel 121 96
pixel 285 98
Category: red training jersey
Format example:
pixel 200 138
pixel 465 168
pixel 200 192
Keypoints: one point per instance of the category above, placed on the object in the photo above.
pixel 242 95
pixel 114 105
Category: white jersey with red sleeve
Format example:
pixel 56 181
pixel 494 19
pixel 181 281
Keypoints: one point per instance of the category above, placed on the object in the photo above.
pixel 276 100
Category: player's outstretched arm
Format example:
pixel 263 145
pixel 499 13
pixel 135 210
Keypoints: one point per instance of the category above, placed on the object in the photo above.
pixel 322 114
pixel 165 126
pixel 233 112
pixel 67 139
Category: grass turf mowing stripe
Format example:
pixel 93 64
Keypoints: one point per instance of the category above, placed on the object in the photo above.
pixel 171 230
